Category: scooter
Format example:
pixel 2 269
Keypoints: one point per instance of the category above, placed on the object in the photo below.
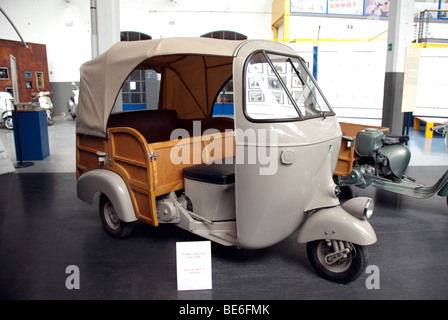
pixel 381 160
pixel 44 101
pixel 6 108
pixel 72 104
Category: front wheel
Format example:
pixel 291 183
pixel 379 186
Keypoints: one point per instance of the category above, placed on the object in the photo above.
pixel 337 261
pixel 111 223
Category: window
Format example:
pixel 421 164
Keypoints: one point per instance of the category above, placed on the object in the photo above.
pixel 280 88
pixel 223 106
pixel 140 91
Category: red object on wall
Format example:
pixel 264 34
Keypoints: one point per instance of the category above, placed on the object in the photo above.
pixel 32 68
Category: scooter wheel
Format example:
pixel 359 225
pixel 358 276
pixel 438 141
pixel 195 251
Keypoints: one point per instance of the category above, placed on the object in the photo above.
pixel 8 123
pixel 111 223
pixel 345 270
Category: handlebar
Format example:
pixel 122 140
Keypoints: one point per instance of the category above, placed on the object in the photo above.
pixel 441 126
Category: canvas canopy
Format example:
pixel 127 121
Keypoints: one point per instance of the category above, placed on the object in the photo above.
pixel 193 71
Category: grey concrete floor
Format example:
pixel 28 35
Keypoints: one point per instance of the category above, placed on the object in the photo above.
pixel 44 228
pixel 62 142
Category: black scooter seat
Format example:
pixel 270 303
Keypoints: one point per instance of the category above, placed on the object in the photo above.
pixel 391 139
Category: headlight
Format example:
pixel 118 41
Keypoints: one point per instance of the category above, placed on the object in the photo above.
pixel 360 207
pixel 368 208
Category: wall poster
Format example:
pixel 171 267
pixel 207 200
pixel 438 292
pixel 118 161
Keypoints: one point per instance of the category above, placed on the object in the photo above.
pixel 4 74
pixel 343 7
pixel 354 7
pixel 40 80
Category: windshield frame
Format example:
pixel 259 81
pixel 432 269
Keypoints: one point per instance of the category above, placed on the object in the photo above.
pixel 300 116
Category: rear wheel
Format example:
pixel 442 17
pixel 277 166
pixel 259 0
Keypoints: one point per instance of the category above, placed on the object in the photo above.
pixel 337 261
pixel 111 223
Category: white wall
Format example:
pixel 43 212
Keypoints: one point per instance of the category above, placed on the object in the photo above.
pixel 335 28
pixel 433 83
pixel 193 18
pixel 63 26
pixel 351 75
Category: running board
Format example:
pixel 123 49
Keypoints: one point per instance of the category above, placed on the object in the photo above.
pixel 223 238
pixel 407 188
pixel 222 232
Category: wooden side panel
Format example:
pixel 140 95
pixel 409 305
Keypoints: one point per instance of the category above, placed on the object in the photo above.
pixel 346 157
pixel 347 153
pixel 174 156
pixel 129 156
pixel 86 149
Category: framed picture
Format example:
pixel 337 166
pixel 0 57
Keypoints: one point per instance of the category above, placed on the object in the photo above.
pixel 27 75
pixel 255 68
pixel 278 97
pixel 29 84
pixel 40 80
pixel 256 96
pixel 274 83
pixel 295 82
pixel 254 83
pixel 4 73
pixel 279 66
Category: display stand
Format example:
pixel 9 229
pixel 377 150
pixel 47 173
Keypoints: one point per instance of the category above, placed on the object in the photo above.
pixel 30 135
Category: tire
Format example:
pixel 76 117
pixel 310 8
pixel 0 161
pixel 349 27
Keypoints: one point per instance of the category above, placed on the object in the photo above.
pixel 9 123
pixel 343 271
pixel 111 223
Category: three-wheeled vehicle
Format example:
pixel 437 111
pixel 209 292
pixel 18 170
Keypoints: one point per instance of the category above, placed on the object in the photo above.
pixel 248 181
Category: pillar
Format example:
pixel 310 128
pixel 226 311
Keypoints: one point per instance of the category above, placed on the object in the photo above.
pixel 400 35
pixel 105 20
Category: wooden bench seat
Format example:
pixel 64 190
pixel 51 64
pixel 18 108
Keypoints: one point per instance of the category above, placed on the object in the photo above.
pixel 157 125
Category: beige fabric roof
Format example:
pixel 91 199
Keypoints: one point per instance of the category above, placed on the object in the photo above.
pixel 193 70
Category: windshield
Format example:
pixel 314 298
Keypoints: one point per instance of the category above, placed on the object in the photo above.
pixel 281 88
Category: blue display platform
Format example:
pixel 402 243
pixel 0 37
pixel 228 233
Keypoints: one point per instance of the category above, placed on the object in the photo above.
pixel 31 134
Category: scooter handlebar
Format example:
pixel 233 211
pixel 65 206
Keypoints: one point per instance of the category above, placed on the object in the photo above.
pixel 435 128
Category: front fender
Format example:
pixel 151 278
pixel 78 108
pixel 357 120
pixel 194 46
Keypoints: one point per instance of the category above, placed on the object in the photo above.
pixel 109 183
pixel 6 114
pixel 336 223
pixel 443 192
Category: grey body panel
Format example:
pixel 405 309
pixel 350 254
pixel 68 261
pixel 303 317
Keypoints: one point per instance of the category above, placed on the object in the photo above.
pixel 272 205
pixel 100 181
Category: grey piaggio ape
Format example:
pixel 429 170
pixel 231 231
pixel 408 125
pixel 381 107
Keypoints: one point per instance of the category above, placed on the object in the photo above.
pixel 249 181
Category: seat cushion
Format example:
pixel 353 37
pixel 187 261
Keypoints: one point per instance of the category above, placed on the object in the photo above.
pixel 215 173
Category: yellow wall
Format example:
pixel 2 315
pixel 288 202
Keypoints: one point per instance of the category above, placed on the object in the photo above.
pixel 280 16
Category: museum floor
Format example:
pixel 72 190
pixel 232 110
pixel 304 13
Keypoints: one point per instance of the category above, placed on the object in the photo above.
pixel 44 229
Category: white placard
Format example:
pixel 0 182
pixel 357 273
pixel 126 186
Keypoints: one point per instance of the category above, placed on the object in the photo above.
pixel 194 265
pixel 410 85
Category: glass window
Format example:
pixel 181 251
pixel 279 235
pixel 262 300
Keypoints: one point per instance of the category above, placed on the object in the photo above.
pixel 280 88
